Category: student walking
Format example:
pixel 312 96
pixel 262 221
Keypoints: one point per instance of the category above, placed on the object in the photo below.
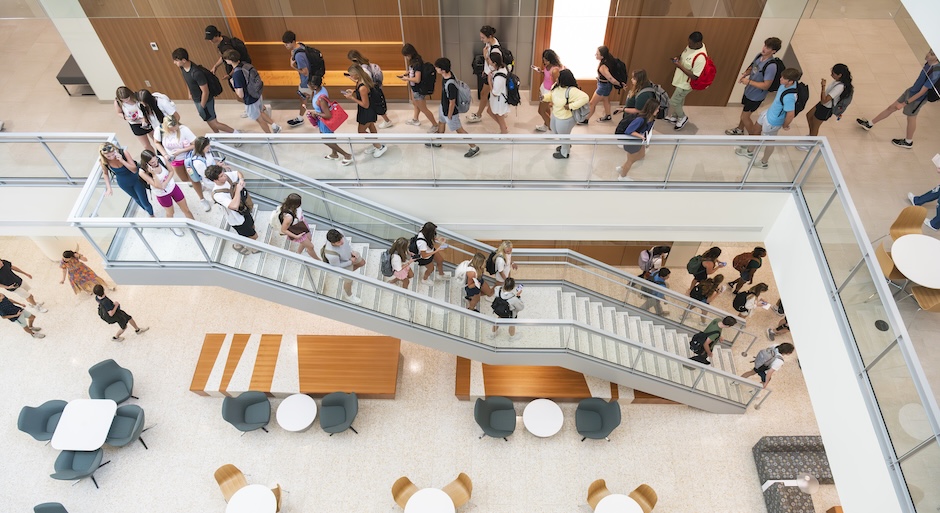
pixel 254 106
pixel 428 254
pixel 401 263
pixel 747 264
pixel 653 301
pixel 80 276
pixel 564 97
pixel 490 45
pixel 230 192
pixel 744 302
pixel 474 286
pixel 653 259
pixel 12 282
pixel 641 91
pixel 365 95
pixel 779 115
pixel 507 304
pixel 448 116
pixel 155 172
pixel 300 61
pixel 782 327
pixel 378 78
pixel 201 83
pixel 841 87
pixel 338 252
pixel 768 361
pixel 226 44
pixel 502 265
pixel 704 341
pixel 129 108
pixel 179 143
pixel 700 266
pixel 927 197
pixel 415 74
pixel 758 79
pixel 499 101
pixel 605 83
pixel 111 313
pixel 294 226
pixel 706 290
pixel 118 161
pixel 194 166
pixel 551 66
pixel 637 130
pixel 156 107
pixel 320 101
pixel 911 101
pixel 689 65
pixel 15 311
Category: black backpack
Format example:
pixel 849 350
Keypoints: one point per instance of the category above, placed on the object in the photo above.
pixel 491 263
pixel 780 67
pixel 508 60
pixel 697 342
pixel 215 86
pixel 242 50
pixel 413 248
pixel 932 93
pixel 428 79
pixel 740 299
pixel 619 71
pixel 696 293
pixel 802 96
pixel 501 307
pixel 314 59
pixel 628 118
pixel 513 97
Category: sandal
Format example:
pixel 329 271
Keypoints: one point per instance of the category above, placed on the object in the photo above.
pixel 604 119
pixel 252 251
pixel 241 249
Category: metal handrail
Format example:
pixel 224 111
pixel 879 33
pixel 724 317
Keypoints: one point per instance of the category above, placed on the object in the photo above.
pixel 43 140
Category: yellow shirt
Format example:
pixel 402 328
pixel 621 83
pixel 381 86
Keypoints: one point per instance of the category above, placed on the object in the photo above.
pixel 680 79
pixel 576 98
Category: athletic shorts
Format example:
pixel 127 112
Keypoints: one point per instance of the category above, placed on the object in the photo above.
pixel 23 319
pixel 822 113
pixel 140 130
pixel 749 104
pixel 254 109
pixel 453 122
pixel 246 229
pixel 207 113
pixel 911 109
pixel 167 200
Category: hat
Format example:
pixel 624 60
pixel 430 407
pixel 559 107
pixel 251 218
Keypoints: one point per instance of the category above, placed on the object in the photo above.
pixel 211 32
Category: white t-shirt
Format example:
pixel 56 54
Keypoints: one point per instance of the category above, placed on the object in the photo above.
pixel 777 362
pixel 498 103
pixel 132 113
pixel 486 62
pixel 224 198
pixel 396 262
pixel 181 139
pixel 167 107
pixel 502 265
pixel 422 244
pixel 510 296
pixel 160 177
pixel 287 215
pixel 834 90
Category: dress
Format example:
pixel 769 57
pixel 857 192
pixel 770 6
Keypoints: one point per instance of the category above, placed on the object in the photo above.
pixel 81 277
pixel 364 115
pixel 499 106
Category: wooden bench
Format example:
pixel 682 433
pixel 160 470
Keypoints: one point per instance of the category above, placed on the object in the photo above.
pixel 280 80
pixel 527 382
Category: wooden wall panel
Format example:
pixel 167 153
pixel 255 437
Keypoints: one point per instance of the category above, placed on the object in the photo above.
pixel 108 8
pixel 303 8
pixel 185 8
pixel 425 34
pixel 263 29
pixel 379 28
pixel 339 8
pixel 375 7
pixel 543 36
pixel 251 8
pixel 333 28
pixel 621 38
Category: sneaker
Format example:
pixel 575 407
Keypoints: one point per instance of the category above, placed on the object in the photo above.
pixel 761 164
pixel 386 124
pixel 268 108
pixel 557 148
pixel 413 122
pixel 604 119
pixel 352 299
pixel 346 162
pixel 40 308
pixel 36 328
pixel 541 128
pixel 680 123
pixel 369 151
pixel 770 334
pixel 618 169
pixel 433 129
pixel 38 335
pixel 742 151
pixel 722 288
pixel 928 225
pixel 296 122
pixel 141 330
pixel 275 128
pixel 624 179
pixel 734 131
pixel 910 197
pixel 432 145
pixel 117 339
pixel 902 143
pixel 334 157
pixel 429 282
pixel 804 148
pixel 671 119
pixel 864 124
pixel 244 115
pixel 380 151
pixel 177 232
pixel 474 118
pixel 472 153
pixel 558 155
pixel 583 122
pixel 205 204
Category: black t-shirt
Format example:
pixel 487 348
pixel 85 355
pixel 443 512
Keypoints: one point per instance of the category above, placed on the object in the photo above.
pixel 7 276
pixel 195 78
pixel 225 45
pixel 8 308
pixel 448 93
pixel 106 303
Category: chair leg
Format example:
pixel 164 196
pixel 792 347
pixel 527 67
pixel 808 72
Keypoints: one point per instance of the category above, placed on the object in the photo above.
pixel 506 439
pixel 353 430
pixel 143 442
pixel 135 397
pixel 265 429
pixel 583 439
pixel 481 436
pixel 93 480
pixel 607 438
pixel 331 434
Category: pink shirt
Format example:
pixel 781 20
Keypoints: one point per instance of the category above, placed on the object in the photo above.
pixel 547 80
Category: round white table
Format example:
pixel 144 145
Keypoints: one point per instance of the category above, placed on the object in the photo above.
pixel 542 417
pixel 430 500
pixel 252 499
pixel 296 412
pixel 618 503
pixel 917 256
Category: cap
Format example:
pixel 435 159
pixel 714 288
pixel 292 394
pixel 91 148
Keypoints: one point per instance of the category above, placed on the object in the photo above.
pixel 211 32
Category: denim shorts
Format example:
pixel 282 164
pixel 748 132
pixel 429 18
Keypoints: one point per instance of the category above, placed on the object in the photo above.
pixel 417 96
pixel 604 88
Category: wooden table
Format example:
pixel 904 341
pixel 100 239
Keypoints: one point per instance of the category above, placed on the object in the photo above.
pixel 84 425
pixel 296 412
pixel 918 257
pixel 618 503
pixel 542 417
pixel 252 499
pixel 430 500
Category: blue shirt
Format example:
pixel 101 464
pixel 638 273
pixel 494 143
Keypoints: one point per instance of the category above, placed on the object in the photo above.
pixel 768 73
pixel 659 280
pixel 777 113
pixel 240 81
pixel 922 79
pixel 300 57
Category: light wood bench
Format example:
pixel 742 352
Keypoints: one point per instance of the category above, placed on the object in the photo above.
pixel 527 382
pixel 282 85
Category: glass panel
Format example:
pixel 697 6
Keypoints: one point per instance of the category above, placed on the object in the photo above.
pixel 921 471
pixel 307 159
pixel 173 244
pixel 783 163
pixel 898 400
pixel 402 160
pixel 818 186
pixel 536 161
pixel 863 311
pixel 838 241
pixel 31 160
pixel 648 164
pixel 129 247
pixel 695 163
pixel 78 158
pixel 102 238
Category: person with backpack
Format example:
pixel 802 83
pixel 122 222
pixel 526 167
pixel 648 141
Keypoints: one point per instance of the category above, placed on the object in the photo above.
pixel 203 86
pixel 449 115
pixel 247 84
pixel 700 266
pixel 831 98
pixel 653 300
pixel 747 264
pixel 498 105
pixel 230 192
pixel 338 252
pixel 111 313
pixel 426 249
pixel 702 342
pixel 744 302
pixel 565 98
pixel 377 78
pixel 420 77
pixel 308 62
pixel 767 361
pixel 14 311
pixel 490 45
pixel 225 44
pixel 499 263
pixel 12 282
pixel 119 163
pixel 365 96
pixel 156 107
pixel 925 89
pixel 708 289
pixel 293 225
pixel 689 66
pixel 507 304
pixel 641 91
pixel 551 66
pixel 782 327
pixel 474 286
pixel 194 165
pixel 400 262
pixel 605 83
pixel 320 101
pixel 653 259
pixel 636 127
pixel 779 115
pixel 760 78
pixel 157 175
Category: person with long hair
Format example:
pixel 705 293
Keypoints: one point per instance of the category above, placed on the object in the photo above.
pixel 708 264
pixel 605 83
pixel 401 263
pixel 498 105
pixel 155 172
pixel 80 276
pixel 640 92
pixel 375 71
pixel 841 87
pixel 320 101
pixel 118 162
pixel 415 63
pixel 708 289
pixel 156 107
pixel 564 97
pixel 502 262
pixel 195 164
pixel 638 129
pixel 744 302
pixel 475 286
pixel 429 252
pixel 490 45
pixel 551 66
pixel 294 226
pixel 128 107
pixel 364 95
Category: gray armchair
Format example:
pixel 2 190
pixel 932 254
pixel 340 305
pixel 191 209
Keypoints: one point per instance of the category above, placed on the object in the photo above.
pixel 127 426
pixel 596 418
pixel 40 422
pixel 338 411
pixel 49 507
pixel 496 416
pixel 78 465
pixel 247 412
pixel 111 381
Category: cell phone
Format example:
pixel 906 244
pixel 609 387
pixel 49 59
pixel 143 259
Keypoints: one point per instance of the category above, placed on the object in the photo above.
pixel 518 287
pixel 444 246
pixel 302 95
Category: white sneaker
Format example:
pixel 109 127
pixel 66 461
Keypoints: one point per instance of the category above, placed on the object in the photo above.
pixel 910 197
pixel 804 148
pixel 381 151
pixel 205 204
pixel 352 299
pixel 429 282
pixel 244 114
pixel 267 108
pixel 473 118
pixel 386 124
pixel 177 232
pixel 624 179
pixel 370 150
pixel 38 335
pixel 275 128
pixel 141 330
pixel 40 308
pixel 413 122
pixel 671 119
pixel 346 162
pixel 433 129
pixel 541 128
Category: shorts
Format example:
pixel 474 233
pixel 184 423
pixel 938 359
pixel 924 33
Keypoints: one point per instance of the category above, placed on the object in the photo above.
pixel 207 113
pixel 762 373
pixel 453 122
pixel 822 113
pixel 471 291
pixel 486 79
pixel 121 318
pixel 633 148
pixel 193 174
pixel 140 130
pixel 701 275
pixel 246 229
pixel 749 104
pixel 23 319
pixel 167 200
pixel 604 88
pixel 913 108
pixel 254 109
pixel 418 96
pixel 767 128
pixel 543 92
pixel 424 261
pixel 22 290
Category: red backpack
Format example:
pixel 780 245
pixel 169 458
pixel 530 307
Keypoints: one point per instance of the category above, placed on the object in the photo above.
pixel 707 76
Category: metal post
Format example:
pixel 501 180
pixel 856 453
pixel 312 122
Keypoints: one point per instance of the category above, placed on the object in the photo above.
pixel 835 192
pixel 271 148
pixel 202 249
pixel 672 160
pixel 758 405
pixel 56 160
pixel 146 244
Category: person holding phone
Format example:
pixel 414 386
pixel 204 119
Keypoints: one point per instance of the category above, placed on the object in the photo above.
pixel 364 96
pixel 118 161
pixel 551 66
pixel 429 255
pixel 511 293
pixel 155 172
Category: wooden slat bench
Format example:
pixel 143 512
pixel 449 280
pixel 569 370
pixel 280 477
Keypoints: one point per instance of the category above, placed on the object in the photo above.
pixel 526 382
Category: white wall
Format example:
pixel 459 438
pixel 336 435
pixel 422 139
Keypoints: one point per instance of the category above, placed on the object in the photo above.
pixel 926 14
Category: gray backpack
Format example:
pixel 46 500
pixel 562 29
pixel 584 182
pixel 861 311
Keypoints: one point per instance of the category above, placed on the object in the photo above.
pixel 463 95
pixel 386 260
pixel 581 113
pixel 661 96
pixel 255 85
pixel 765 357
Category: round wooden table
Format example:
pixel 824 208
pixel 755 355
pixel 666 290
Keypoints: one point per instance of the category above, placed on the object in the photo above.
pixel 918 257
pixel 296 412
pixel 618 503
pixel 542 417
pixel 252 499
pixel 430 500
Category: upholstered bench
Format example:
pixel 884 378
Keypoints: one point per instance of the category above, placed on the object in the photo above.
pixel 785 457
pixel 780 498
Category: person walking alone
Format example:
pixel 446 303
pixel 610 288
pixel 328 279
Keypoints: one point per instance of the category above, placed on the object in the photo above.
pixel 689 65
pixel 111 313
